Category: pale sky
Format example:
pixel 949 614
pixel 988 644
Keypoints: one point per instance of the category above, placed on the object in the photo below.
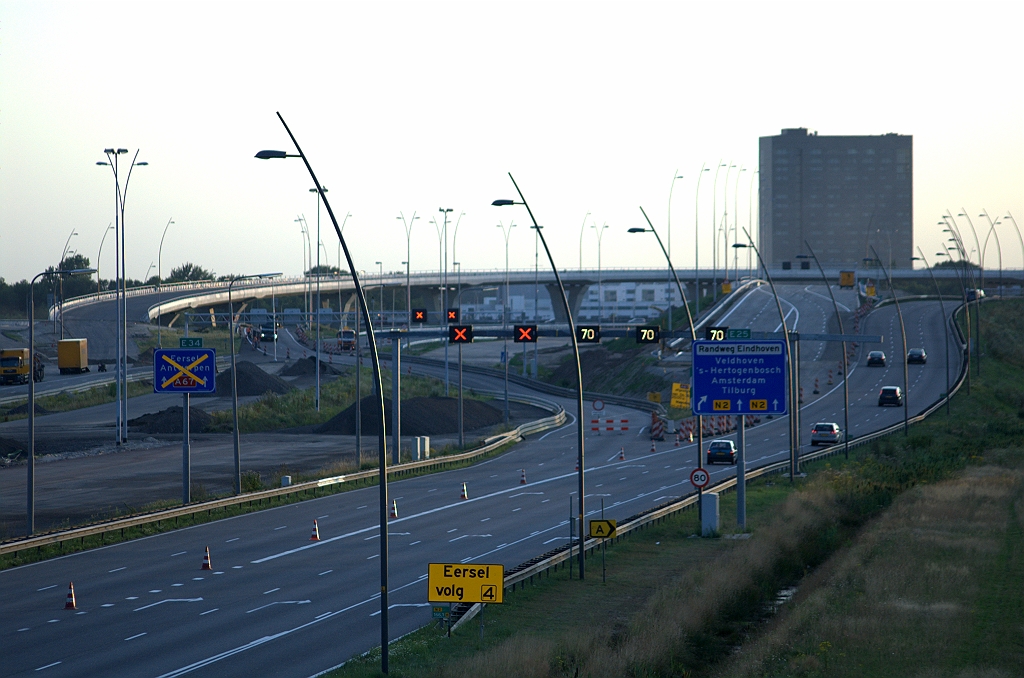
pixel 412 106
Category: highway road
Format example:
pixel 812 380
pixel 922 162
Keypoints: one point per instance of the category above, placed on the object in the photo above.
pixel 277 601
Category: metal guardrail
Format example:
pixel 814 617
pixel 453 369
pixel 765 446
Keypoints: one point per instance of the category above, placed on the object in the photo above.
pixel 490 444
pixel 534 568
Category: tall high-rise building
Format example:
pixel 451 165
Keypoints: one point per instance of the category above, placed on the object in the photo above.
pixel 842 195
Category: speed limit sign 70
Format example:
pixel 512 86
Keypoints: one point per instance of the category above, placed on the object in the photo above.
pixel 700 478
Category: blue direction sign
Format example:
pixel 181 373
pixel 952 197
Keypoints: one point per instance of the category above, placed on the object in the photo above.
pixel 185 370
pixel 739 377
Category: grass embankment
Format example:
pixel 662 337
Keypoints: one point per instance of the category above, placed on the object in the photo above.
pixel 66 401
pixel 931 586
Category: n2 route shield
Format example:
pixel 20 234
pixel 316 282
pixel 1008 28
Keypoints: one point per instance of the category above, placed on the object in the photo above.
pixel 185 370
pixel 739 377
pixel 465 583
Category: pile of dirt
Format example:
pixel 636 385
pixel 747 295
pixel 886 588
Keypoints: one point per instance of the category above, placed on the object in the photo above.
pixel 23 409
pixel 252 381
pixel 307 367
pixel 169 421
pixel 420 417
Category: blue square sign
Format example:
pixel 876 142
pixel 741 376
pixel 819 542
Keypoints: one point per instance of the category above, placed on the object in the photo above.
pixel 185 370
pixel 739 377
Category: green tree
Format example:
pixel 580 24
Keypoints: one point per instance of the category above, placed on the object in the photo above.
pixel 188 272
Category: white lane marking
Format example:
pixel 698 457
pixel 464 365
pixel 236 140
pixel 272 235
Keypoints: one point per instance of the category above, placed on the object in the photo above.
pixel 322 517
pixel 235 539
pixel 237 567
pixel 179 553
pixel 116 570
pixel 484 520
pixel 137 635
pixel 433 490
pixel 198 578
pixel 457 538
pixel 47 666
pixel 272 590
pixel 53 621
pixel 168 600
pixel 452 530
pixel 156 591
pixel 545 501
pixel 23 629
pixel 414 543
pixel 321 616
pixel 132 598
pixel 280 528
pixel 523 494
pixel 208 611
pixel 177 584
pixel 375 555
pixel 554 539
pixel 107 605
pixel 279 602
pixel 361 507
pixel 52 586
pixel 494 476
pixel 517 509
pixel 370 537
pixel 325 572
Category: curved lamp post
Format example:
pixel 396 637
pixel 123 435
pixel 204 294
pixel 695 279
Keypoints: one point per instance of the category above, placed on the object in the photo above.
pixel 846 365
pixel 1021 239
pixel 696 239
pixel 999 248
pixel 381 440
pixel 408 259
pixel 234 373
pixel 942 308
pixel 30 511
pixel 318 305
pixel 794 401
pixel 159 280
pixel 903 334
pixel 504 314
pixel 668 232
pixel 966 353
pixel 583 229
pixel 967 279
pixel 110 227
pixel 576 355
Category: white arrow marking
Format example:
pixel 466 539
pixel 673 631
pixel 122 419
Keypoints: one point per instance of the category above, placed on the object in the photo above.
pixel 701 401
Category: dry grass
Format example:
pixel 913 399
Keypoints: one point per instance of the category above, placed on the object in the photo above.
pixel 908 598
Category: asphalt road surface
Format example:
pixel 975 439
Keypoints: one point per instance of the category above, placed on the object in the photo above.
pixel 277 602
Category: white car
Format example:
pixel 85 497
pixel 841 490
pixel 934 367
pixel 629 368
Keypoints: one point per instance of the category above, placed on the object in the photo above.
pixel 826 433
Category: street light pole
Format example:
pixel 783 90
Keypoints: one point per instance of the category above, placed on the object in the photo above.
pixel 1021 239
pixel 408 265
pixel 945 320
pixel 60 264
pixel 234 373
pixel 903 334
pixel 381 439
pixel 318 304
pixel 30 510
pixel 714 235
pixel 600 291
pixel 999 248
pixel 340 306
pixel 159 282
pixel 576 354
pixel 846 365
pixel 583 229
pixel 504 313
pixel 696 239
pixel 750 222
pixel 110 227
pixel 735 224
pixel 668 229
pixel 794 400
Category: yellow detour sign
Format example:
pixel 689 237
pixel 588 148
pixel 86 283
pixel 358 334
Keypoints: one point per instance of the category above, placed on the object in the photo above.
pixel 654 396
pixel 680 396
pixel 465 583
pixel 846 278
pixel 727 287
pixel 602 529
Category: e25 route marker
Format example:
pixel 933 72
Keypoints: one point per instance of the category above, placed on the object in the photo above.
pixel 739 377
pixel 185 370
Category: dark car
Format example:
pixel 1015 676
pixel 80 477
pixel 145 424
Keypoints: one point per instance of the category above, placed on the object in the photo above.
pixel 268 333
pixel 890 395
pixel 722 450
pixel 917 356
pixel 826 433
pixel 876 358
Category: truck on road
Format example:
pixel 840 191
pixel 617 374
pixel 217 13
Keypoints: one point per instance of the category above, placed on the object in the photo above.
pixel 14 367
pixel 73 356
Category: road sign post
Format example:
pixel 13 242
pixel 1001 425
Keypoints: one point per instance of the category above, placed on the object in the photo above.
pixel 739 377
pixel 186 370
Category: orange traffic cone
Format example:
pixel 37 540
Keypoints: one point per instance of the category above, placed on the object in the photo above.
pixel 316 532
pixel 70 604
pixel 816 385
pixel 622 454
pixel 206 560
pixel 653 448
pixel 830 377
pixel 522 477
pixel 465 492
pixel 394 508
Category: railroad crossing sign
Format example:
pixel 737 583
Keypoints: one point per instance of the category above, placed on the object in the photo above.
pixel 700 478
pixel 602 529
pixel 524 334
pixel 465 583
pixel 739 377
pixel 185 370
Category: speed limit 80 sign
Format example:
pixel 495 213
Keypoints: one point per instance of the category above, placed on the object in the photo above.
pixel 700 478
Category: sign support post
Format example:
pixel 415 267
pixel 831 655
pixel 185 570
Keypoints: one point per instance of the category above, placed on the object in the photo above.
pixel 186 454
pixel 741 473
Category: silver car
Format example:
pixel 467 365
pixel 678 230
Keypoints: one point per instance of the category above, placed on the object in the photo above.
pixel 826 433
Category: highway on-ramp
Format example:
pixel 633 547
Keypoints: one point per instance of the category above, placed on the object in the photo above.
pixel 277 602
